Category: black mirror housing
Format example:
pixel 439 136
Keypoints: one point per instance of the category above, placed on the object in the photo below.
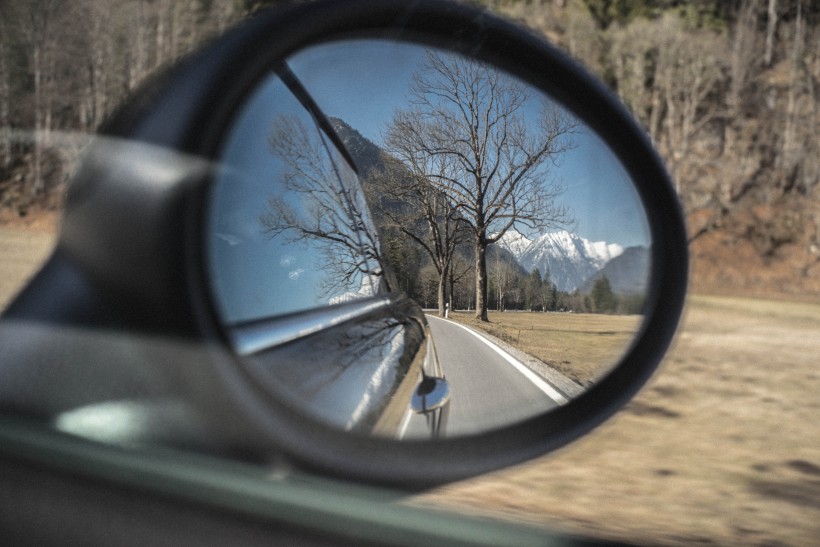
pixel 130 262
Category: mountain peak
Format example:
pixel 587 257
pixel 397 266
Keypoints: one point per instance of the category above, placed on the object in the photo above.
pixel 569 258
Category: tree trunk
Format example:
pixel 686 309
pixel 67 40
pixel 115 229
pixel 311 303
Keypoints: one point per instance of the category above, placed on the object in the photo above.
pixel 97 91
pixel 771 28
pixel 451 287
pixel 5 94
pixel 481 279
pixel 791 147
pixel 36 158
pixel 442 290
pixel 138 54
pixel 742 57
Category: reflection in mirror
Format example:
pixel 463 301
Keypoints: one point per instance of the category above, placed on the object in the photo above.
pixel 365 181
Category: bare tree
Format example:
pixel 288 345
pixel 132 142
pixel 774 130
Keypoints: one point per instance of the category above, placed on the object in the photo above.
pixel 35 21
pixel 426 213
pixel 743 59
pixel 462 283
pixel 460 270
pixel 491 150
pixel 323 204
pixel 793 149
pixel 771 30
pixel 137 53
pixel 429 279
pixel 502 273
pixel 5 96
pixel 688 75
pixel 634 54
pixel 95 58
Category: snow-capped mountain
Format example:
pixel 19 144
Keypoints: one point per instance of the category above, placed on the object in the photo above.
pixel 628 273
pixel 569 258
pixel 515 243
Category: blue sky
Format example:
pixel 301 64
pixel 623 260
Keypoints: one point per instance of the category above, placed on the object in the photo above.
pixel 253 275
pixel 364 81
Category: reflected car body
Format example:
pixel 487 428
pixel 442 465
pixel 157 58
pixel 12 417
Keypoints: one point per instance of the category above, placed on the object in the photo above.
pixel 339 342
pixel 357 366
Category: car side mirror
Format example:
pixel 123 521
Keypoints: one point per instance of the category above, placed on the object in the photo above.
pixel 271 230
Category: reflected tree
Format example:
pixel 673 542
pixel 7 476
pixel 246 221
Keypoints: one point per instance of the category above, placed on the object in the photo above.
pixel 602 296
pixel 421 210
pixel 502 272
pixel 479 139
pixel 321 204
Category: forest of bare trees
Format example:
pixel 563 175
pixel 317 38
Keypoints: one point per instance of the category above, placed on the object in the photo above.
pixel 727 90
pixel 66 64
pixel 729 93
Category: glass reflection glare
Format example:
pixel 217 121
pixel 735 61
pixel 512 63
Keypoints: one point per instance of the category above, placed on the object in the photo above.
pixel 292 231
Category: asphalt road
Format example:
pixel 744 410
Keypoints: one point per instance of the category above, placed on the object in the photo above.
pixel 489 388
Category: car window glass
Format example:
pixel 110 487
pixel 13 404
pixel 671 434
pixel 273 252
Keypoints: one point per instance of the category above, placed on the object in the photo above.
pixel 289 226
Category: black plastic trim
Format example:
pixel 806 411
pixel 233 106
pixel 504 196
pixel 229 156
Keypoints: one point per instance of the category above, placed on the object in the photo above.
pixel 479 34
pixel 189 110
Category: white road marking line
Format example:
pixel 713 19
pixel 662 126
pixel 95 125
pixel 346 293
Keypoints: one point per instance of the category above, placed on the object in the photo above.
pixel 405 422
pixel 539 382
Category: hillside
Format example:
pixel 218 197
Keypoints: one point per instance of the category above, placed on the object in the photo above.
pixel 627 272
pixel 727 91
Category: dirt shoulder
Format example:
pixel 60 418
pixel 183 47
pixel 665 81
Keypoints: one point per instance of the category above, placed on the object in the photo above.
pixel 36 220
pixel 720 448
pixel 25 243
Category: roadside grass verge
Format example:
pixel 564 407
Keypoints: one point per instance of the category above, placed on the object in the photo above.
pixel 582 347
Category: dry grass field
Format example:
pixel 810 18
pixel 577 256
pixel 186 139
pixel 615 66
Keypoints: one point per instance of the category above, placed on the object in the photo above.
pixel 582 347
pixel 722 447
pixel 22 250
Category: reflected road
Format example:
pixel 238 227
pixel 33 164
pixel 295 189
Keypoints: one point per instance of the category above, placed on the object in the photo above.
pixel 487 390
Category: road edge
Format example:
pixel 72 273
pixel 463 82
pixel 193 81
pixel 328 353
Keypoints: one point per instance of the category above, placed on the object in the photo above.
pixel 563 385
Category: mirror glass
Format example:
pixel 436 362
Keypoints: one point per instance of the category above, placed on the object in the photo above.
pixel 405 242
